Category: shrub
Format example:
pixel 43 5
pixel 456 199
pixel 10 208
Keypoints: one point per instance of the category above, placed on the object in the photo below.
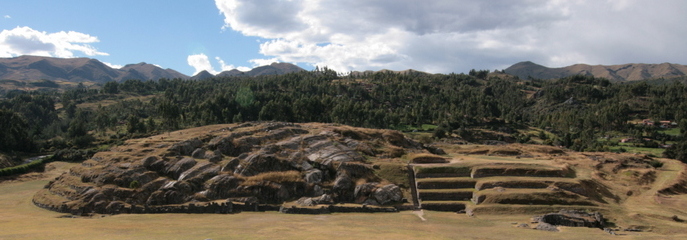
pixel 134 184
pixel 656 163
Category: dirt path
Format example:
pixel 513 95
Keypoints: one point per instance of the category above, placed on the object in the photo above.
pixel 421 214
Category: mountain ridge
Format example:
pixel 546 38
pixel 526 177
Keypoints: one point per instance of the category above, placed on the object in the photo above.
pixel 29 68
pixel 617 73
pixel 276 68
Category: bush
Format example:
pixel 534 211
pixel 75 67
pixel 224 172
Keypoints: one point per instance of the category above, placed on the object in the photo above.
pixel 24 168
pixel 134 184
pixel 73 155
pixel 656 163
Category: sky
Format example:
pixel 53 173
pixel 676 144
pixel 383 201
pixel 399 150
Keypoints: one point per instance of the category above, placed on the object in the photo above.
pixel 436 36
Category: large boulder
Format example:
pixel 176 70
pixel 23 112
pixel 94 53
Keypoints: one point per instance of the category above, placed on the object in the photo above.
pixel 185 147
pixel 313 176
pixel 259 163
pixel 363 191
pixel 180 166
pixel 198 153
pixel 222 186
pixel 343 188
pixel 573 218
pixel 388 194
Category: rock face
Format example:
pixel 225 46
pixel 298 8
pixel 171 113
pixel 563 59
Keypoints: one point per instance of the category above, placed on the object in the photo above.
pixel 220 165
pixel 572 218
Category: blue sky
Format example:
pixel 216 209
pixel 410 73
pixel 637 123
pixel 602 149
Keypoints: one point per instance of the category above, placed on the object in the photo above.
pixel 439 36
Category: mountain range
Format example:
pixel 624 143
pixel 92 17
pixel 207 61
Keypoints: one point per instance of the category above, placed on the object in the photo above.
pixel 24 68
pixel 32 68
pixel 617 73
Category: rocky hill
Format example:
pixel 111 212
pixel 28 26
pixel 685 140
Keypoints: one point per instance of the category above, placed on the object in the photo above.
pixel 25 68
pixel 624 72
pixel 33 68
pixel 321 168
pixel 251 163
pixel 272 69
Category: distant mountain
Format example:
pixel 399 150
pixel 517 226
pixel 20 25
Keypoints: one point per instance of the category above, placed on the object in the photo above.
pixel 624 72
pixel 202 75
pixel 25 68
pixel 272 69
pixel 33 68
pixel 150 71
pixel 405 72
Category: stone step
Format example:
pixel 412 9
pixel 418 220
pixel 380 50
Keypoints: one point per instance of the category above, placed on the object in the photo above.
pixel 530 197
pixel 464 194
pixel 446 183
pixel 496 208
pixel 447 206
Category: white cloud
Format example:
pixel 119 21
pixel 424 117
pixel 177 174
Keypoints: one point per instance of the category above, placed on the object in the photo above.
pixel 27 41
pixel 458 35
pixel 115 66
pixel 262 62
pixel 201 62
pixel 7 16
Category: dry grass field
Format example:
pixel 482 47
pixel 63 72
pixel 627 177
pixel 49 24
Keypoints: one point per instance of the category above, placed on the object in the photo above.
pixel 20 219
pixel 507 179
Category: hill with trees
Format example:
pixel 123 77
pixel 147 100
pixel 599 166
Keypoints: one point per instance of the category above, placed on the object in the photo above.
pixel 616 73
pixel 583 113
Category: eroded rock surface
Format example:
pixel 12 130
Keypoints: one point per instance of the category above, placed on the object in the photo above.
pixel 210 168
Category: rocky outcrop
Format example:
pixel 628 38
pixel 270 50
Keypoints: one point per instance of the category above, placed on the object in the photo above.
pixel 572 218
pixel 271 163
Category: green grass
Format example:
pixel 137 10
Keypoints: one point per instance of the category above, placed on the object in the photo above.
pixel 395 173
pixel 423 127
pixel 658 152
pixel 671 131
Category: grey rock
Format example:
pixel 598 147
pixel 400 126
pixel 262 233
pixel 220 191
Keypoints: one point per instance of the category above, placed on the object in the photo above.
pixel 186 147
pixel 313 176
pixel 198 153
pixel 546 227
pixel 363 191
pixel 231 165
pixel 388 194
pixel 180 166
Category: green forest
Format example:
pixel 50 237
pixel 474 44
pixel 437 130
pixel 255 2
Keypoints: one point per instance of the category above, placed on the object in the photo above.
pixel 581 113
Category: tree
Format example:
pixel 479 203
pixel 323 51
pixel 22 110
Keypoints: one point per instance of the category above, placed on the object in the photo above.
pixel 15 132
pixel 78 134
pixel 111 87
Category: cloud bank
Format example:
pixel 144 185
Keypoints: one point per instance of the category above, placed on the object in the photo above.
pixel 458 35
pixel 27 41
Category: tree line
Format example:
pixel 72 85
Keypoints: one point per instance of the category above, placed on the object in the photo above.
pixel 577 111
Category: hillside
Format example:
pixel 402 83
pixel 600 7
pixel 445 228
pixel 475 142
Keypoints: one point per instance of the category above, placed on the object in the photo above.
pixel 76 70
pixel 618 73
pixel 250 163
pixel 272 69
pixel 26 68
